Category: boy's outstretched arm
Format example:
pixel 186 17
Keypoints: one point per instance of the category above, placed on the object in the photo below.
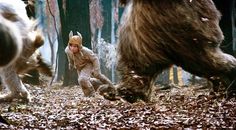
pixel 69 57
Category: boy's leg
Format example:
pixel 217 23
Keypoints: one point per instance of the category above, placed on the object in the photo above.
pixel 84 81
pixel 102 78
pixel 96 83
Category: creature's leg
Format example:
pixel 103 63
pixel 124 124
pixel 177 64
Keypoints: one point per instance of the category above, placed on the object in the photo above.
pixel 84 81
pixel 137 83
pixel 215 63
pixel 16 87
pixel 133 86
pixel 8 42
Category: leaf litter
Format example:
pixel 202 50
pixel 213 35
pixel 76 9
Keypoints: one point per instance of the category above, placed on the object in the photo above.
pixel 59 107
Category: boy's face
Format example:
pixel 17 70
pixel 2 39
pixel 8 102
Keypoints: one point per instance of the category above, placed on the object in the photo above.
pixel 74 48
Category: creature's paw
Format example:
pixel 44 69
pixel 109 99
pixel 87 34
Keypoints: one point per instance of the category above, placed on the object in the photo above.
pixel 131 95
pixel 22 97
pixel 6 98
pixel 36 38
pixel 25 96
pixel 108 92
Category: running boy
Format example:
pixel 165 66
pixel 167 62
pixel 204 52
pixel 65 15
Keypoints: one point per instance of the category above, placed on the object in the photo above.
pixel 85 62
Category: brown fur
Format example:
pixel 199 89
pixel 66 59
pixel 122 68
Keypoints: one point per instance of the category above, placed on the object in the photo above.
pixel 27 59
pixel 30 8
pixel 156 34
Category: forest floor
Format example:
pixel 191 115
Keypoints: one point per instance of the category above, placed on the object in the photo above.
pixel 58 107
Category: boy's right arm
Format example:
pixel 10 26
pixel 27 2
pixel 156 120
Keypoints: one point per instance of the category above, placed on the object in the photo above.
pixel 69 57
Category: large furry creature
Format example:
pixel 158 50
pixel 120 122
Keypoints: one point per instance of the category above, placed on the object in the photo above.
pixel 10 43
pixel 155 34
pixel 16 27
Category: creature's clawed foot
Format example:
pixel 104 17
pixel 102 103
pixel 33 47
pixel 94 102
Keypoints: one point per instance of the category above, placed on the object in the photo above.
pixel 120 91
pixel 108 92
pixel 131 95
pixel 25 96
pixel 22 97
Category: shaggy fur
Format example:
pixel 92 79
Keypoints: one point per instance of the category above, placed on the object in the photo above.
pixel 30 8
pixel 31 40
pixel 10 43
pixel 155 34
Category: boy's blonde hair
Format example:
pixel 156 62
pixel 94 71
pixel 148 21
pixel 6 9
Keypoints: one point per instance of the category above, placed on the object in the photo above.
pixel 76 39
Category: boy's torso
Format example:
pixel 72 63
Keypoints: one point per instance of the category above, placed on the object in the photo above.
pixel 82 58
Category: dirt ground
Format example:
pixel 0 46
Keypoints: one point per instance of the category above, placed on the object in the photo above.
pixel 56 107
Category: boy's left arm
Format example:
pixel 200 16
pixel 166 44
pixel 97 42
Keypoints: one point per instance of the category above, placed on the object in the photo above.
pixel 95 61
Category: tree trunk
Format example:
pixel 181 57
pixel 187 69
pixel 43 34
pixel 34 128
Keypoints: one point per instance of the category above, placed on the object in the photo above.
pixel 78 19
pixel 106 29
pixel 61 57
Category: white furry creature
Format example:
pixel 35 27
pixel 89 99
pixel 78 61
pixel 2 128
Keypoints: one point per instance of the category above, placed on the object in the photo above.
pixel 10 43
pixel 17 32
